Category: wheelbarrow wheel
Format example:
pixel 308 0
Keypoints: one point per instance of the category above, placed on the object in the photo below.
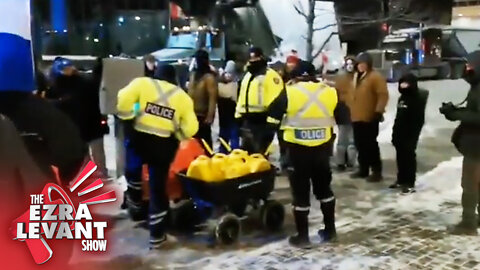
pixel 227 230
pixel 272 215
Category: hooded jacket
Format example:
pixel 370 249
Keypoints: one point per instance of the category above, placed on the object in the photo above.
pixel 410 116
pixel 467 133
pixel 369 94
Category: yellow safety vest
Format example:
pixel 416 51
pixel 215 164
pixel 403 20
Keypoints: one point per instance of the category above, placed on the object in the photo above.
pixel 310 113
pixel 165 109
pixel 256 94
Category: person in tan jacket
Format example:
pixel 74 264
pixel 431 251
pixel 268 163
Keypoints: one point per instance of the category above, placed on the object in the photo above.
pixel 367 99
pixel 346 154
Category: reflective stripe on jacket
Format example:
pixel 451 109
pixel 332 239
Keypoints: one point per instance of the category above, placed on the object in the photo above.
pixel 257 93
pixel 309 116
pixel 164 108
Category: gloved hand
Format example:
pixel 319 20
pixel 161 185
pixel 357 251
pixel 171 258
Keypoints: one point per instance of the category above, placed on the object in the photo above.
pixel 451 115
pixel 378 117
pixel 447 108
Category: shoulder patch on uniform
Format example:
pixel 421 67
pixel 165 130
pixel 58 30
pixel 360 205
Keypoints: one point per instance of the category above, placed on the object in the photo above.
pixel 276 80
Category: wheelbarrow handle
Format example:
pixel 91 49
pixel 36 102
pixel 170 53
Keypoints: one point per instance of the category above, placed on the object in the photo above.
pixel 269 149
pixel 207 147
pixel 225 144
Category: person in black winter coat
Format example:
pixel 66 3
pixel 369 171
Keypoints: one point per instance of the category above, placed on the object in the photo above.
pixel 408 124
pixel 466 138
pixel 77 95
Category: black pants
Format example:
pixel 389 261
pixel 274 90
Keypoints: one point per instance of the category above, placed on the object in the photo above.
pixel 60 142
pixel 406 164
pixel 311 167
pixel 158 153
pixel 284 163
pixel 365 134
pixel 204 131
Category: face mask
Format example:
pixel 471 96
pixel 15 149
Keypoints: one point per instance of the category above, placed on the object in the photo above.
pixel 404 88
pixel 256 66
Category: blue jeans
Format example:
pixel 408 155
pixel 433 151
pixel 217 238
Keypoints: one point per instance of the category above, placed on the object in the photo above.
pixel 230 135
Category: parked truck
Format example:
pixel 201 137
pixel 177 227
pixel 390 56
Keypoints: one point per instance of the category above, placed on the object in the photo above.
pixel 432 52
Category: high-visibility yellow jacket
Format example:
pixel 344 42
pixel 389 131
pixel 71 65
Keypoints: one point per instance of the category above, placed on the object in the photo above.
pixel 256 93
pixel 306 113
pixel 164 108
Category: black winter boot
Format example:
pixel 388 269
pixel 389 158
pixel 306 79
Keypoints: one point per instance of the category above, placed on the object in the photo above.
pixel 361 173
pixel 467 226
pixel 463 228
pixel 301 239
pixel 375 177
pixel 329 233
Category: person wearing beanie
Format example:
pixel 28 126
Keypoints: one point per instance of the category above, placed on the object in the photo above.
pixel 367 106
pixel 203 89
pixel 259 87
pixel 406 130
pixel 166 73
pixel 466 139
pixel 31 114
pixel 163 117
pixel 305 112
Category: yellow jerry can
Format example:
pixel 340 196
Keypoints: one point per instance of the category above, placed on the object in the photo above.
pixel 258 163
pixel 200 169
pixel 218 164
pixel 237 167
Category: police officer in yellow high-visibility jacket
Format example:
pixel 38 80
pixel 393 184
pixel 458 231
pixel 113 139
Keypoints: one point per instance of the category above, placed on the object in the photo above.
pixel 166 116
pixel 306 114
pixel 259 87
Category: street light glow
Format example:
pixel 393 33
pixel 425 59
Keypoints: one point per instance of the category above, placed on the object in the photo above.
pixel 137 18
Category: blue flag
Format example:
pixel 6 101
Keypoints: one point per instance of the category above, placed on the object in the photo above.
pixel 16 56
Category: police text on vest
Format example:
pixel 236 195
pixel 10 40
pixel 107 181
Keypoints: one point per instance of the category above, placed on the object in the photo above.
pixel 160 111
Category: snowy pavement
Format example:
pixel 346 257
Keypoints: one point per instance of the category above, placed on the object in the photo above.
pixel 378 228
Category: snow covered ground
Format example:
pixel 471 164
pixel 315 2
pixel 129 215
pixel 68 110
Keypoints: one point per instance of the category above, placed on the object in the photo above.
pixel 378 228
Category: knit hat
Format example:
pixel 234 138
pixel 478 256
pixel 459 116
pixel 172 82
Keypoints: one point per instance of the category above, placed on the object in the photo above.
pixel 230 67
pixel 292 59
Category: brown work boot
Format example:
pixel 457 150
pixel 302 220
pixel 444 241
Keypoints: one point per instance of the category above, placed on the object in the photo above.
pixel 375 177
pixel 463 228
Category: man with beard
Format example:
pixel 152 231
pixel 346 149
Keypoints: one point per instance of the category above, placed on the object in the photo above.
pixel 467 140
pixel 203 89
pixel 370 97
pixel 259 87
